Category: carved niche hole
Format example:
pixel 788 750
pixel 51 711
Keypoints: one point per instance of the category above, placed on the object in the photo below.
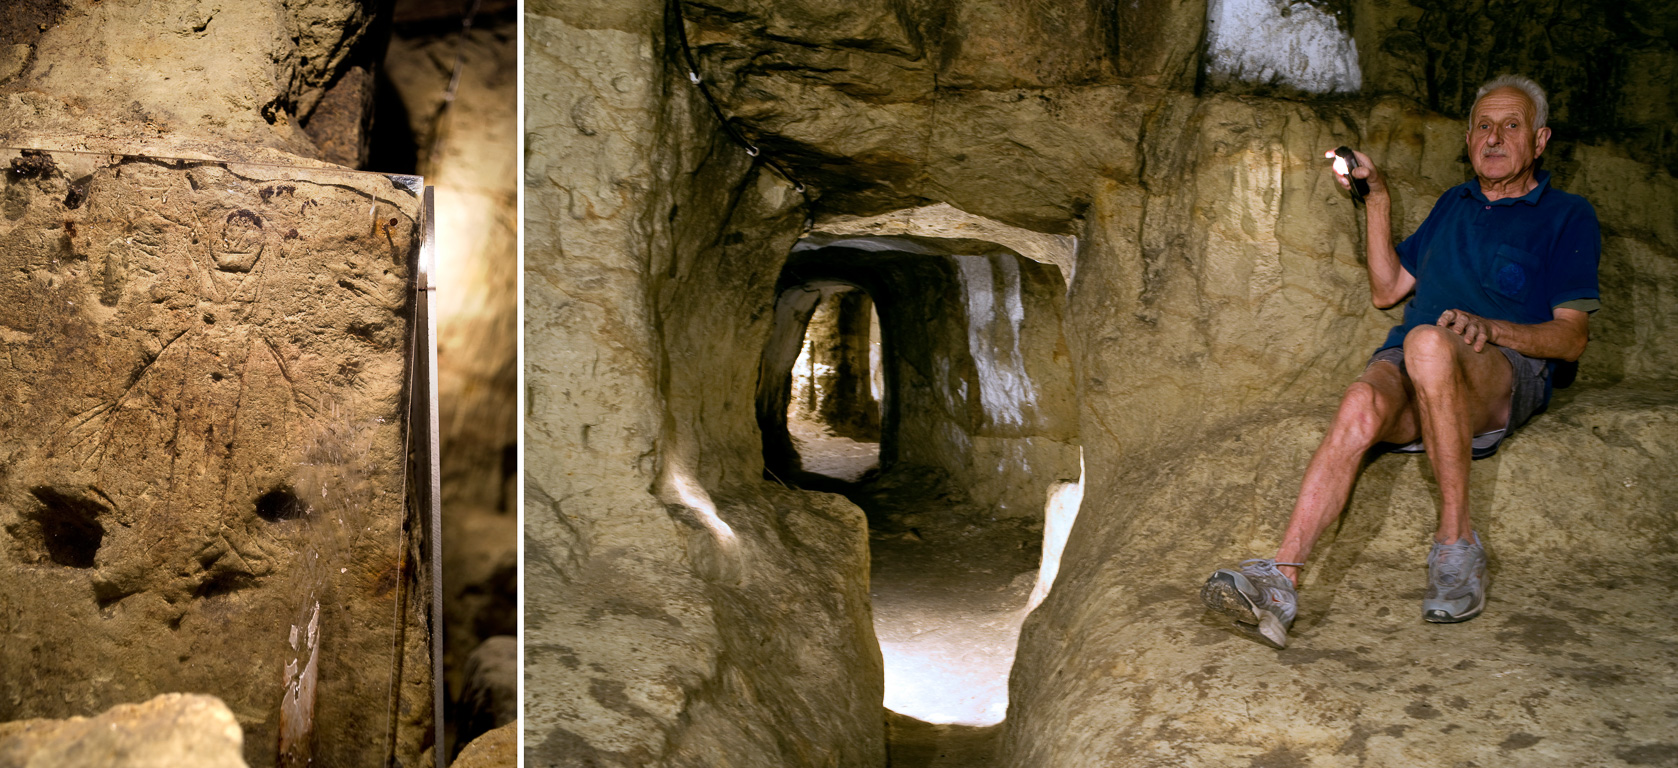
pixel 69 526
pixel 279 504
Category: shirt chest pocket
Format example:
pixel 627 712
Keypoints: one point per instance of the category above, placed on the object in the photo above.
pixel 1513 273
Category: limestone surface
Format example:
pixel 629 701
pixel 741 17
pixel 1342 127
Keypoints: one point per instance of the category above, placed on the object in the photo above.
pixel 1218 304
pixel 220 78
pixel 497 749
pixel 172 730
pixel 681 609
pixel 202 470
pixel 1571 664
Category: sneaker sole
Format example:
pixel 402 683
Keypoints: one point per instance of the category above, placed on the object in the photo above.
pixel 1226 593
pixel 1438 616
pixel 1223 593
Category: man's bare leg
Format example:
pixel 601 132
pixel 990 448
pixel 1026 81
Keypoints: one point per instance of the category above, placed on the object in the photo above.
pixel 1262 592
pixel 1378 407
pixel 1459 393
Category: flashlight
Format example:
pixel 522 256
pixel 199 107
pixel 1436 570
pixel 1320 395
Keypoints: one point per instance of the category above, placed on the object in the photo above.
pixel 1344 162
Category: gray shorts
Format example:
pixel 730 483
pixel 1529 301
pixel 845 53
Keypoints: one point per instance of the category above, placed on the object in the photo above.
pixel 1530 395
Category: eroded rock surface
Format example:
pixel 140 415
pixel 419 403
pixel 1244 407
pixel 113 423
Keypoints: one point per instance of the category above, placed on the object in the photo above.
pixel 172 730
pixel 656 552
pixel 202 470
pixel 1218 305
pixel 497 749
pixel 1571 663
pixel 222 78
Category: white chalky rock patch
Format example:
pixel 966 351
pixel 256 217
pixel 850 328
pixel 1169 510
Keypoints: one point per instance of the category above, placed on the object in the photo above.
pixel 994 316
pixel 1281 42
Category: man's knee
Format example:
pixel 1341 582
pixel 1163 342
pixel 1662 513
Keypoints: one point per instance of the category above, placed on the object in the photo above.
pixel 1363 411
pixel 1430 354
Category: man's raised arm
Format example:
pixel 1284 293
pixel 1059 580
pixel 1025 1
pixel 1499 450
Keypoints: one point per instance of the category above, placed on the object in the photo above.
pixel 1389 281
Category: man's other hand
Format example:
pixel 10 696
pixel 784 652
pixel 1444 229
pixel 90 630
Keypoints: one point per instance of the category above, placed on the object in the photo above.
pixel 1473 329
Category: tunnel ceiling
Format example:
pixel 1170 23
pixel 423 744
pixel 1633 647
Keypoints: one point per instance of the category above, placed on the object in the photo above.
pixel 1006 110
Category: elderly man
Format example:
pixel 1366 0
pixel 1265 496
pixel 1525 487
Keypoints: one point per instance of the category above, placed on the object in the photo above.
pixel 1502 278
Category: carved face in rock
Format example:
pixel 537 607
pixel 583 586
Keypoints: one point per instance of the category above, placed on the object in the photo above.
pixel 1503 145
pixel 242 239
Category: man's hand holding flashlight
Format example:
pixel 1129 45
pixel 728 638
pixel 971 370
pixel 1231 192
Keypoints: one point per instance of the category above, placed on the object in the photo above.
pixel 1365 170
pixel 1475 330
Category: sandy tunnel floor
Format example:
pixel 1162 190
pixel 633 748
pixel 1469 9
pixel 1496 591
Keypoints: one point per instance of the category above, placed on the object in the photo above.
pixel 824 453
pixel 949 587
pixel 949 596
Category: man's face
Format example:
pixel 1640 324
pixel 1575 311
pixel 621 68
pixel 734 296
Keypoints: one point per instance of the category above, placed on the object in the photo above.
pixel 1502 143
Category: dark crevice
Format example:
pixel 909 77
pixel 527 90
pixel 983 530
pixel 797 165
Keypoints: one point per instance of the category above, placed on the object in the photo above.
pixel 223 584
pixel 70 529
pixel 280 504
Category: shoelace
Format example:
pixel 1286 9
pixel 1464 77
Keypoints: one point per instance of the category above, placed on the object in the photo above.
pixel 1268 562
pixel 1452 560
pixel 1275 594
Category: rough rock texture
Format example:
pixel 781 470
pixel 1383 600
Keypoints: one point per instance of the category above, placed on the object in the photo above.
pixel 1571 664
pixel 1218 305
pixel 201 400
pixel 231 79
pixel 1276 43
pixel 1219 308
pixel 832 383
pixel 467 150
pixel 867 118
pixel 1608 66
pixel 172 730
pixel 978 384
pixel 656 553
pixel 497 749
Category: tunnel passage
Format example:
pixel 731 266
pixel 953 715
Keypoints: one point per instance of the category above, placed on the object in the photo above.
pixel 820 391
pixel 833 413
pixel 971 386
pixel 967 375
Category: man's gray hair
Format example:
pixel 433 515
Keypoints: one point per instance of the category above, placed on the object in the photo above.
pixel 1540 106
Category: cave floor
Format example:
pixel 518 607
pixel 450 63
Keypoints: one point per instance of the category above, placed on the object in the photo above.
pixel 824 453
pixel 949 587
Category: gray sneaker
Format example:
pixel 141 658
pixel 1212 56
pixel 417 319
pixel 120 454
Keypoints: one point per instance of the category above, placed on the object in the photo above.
pixel 1456 581
pixel 1255 593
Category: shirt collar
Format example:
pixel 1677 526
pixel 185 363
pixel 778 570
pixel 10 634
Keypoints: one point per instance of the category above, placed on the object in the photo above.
pixel 1471 188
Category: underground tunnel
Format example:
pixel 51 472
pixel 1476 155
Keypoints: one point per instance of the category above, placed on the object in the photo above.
pixel 699 172
pixel 931 388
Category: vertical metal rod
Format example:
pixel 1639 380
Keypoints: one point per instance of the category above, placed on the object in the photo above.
pixel 430 462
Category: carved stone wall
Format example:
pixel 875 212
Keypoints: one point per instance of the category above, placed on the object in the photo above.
pixel 202 474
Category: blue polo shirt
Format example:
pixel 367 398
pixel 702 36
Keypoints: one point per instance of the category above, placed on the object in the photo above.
pixel 1514 259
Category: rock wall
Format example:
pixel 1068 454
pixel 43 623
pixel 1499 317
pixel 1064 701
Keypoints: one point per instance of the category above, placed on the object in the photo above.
pixel 1122 660
pixel 1607 67
pixel 262 309
pixel 234 80
pixel 1218 307
pixel 656 552
pixel 977 380
pixel 201 482
pixel 832 385
pixel 189 731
